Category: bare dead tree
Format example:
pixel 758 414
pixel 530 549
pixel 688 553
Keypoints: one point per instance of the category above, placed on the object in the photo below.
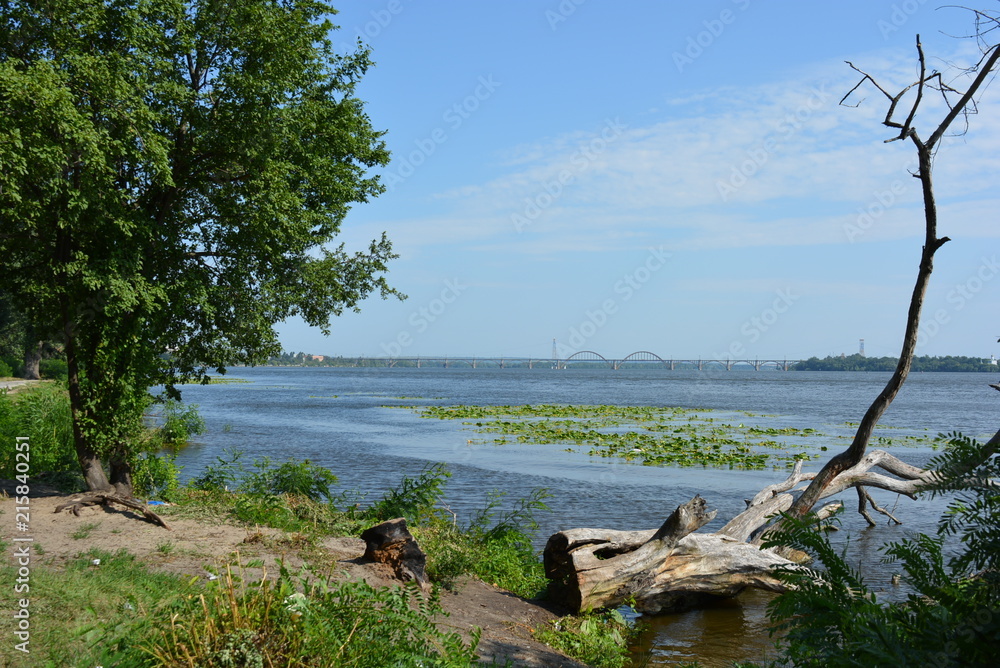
pixel 906 130
pixel 674 567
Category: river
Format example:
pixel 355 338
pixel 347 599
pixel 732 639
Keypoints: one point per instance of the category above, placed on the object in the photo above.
pixel 350 420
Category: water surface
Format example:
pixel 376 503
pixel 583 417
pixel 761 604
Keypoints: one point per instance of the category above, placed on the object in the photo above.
pixel 350 420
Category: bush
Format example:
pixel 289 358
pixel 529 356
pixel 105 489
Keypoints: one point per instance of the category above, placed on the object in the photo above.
pixel 295 477
pixel 415 499
pixel 156 476
pixel 180 422
pixel 5 370
pixel 53 369
pixel 15 365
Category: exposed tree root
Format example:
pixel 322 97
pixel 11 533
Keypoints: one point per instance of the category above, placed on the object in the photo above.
pixel 106 498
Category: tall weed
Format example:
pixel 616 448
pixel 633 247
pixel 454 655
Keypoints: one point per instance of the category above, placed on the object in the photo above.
pixel 299 620
pixel 42 414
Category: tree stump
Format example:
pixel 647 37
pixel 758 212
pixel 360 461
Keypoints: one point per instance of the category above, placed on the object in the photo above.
pixel 392 544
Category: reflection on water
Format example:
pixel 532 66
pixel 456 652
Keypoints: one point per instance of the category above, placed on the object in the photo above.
pixel 730 630
pixel 338 418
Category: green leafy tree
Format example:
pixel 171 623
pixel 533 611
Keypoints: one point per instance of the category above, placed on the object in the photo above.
pixel 171 174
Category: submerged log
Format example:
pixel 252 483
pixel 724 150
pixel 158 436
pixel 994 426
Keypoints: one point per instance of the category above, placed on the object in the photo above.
pixel 392 544
pixel 674 568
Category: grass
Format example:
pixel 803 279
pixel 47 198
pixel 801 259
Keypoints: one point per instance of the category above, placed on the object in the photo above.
pixel 597 639
pixel 122 614
pixel 84 531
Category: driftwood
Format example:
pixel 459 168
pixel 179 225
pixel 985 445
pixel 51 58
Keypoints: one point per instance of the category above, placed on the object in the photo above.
pixel 675 568
pixel 392 544
pixel 106 499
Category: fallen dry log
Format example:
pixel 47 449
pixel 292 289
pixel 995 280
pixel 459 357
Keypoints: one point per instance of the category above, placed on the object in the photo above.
pixel 675 568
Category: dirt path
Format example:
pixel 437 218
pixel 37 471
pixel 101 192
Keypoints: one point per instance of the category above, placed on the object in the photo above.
pixel 191 547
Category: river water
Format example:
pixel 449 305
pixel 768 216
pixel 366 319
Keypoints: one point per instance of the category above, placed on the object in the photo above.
pixel 351 421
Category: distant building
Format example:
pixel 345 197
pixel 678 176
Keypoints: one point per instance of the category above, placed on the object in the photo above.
pixel 317 358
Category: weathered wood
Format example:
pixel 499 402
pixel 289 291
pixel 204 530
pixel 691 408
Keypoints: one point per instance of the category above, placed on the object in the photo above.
pixel 673 568
pixel 392 544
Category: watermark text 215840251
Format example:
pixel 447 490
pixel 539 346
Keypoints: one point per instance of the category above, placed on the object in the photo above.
pixel 22 555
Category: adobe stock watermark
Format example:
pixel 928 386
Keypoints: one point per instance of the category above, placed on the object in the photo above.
pixel 759 155
pixel 882 200
pixel 901 13
pixel 381 18
pixel 22 543
pixel 562 12
pixel 580 162
pixel 625 288
pixel 754 328
pixel 959 297
pixel 453 118
pixel 422 318
pixel 704 39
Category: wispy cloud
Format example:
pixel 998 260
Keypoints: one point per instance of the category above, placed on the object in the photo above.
pixel 776 164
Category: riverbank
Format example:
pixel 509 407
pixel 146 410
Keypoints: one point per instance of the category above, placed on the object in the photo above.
pixel 198 548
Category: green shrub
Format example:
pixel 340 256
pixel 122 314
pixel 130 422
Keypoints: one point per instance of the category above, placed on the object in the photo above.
pixel 180 422
pixel 415 499
pixel 5 370
pixel 300 478
pixel 16 366
pixel 54 369
pixel 156 476
pixel 295 477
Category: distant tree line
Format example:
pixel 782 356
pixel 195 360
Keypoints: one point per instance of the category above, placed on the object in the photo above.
pixel 858 362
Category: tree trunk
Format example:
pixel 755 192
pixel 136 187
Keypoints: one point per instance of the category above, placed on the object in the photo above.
pixel 32 359
pixel 121 475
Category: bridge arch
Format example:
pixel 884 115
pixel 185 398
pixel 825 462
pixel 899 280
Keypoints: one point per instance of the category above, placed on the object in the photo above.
pixel 588 356
pixel 643 356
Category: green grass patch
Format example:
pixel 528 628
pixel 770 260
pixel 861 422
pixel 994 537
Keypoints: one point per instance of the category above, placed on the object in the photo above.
pixel 118 613
pixel 600 640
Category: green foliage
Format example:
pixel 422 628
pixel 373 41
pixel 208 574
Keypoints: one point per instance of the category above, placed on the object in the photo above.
pixel 180 422
pixel 54 369
pixel 299 620
pixel 652 436
pixel 5 370
pixel 951 618
pixel 156 476
pixel 123 614
pixel 597 639
pixel 42 414
pixel 415 499
pixel 173 175
pixel 300 478
pixel 496 546
pixel 859 362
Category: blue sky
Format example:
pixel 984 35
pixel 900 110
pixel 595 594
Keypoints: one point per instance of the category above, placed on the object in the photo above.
pixel 666 176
